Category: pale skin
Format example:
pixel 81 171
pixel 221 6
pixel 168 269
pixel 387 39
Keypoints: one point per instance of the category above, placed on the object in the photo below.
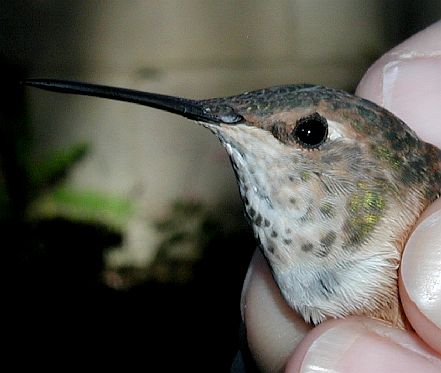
pixel 407 81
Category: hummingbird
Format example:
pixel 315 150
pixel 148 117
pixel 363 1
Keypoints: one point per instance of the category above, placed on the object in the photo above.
pixel 332 186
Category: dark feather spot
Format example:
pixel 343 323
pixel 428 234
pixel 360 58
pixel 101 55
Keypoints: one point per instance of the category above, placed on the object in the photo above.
pixel 326 243
pixel 328 239
pixel 307 247
pixel 258 220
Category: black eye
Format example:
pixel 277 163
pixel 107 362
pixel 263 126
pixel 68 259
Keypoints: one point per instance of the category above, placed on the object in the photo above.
pixel 311 131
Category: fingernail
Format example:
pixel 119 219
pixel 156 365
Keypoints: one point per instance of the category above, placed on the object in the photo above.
pixel 367 346
pixel 421 267
pixel 412 91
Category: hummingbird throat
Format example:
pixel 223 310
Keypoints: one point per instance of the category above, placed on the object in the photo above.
pixel 277 192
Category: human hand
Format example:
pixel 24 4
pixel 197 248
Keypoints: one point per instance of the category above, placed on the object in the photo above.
pixel 407 81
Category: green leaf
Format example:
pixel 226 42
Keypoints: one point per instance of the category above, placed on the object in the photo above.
pixel 84 206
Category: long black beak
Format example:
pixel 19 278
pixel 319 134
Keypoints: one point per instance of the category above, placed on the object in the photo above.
pixel 193 109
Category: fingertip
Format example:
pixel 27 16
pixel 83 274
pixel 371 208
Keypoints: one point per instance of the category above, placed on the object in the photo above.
pixel 361 345
pixel 371 84
pixel 426 329
pixel 420 277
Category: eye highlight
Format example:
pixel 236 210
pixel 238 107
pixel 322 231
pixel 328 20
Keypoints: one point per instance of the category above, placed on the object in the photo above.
pixel 310 131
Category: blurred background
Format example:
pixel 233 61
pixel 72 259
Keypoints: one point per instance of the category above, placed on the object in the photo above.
pixel 121 226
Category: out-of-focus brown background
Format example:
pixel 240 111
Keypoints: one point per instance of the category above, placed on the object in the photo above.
pixel 121 226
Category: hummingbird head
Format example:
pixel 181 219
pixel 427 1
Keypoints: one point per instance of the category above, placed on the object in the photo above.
pixel 331 184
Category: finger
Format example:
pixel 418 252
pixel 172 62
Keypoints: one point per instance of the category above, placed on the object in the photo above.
pixel 420 277
pixel 407 81
pixel 273 328
pixel 361 345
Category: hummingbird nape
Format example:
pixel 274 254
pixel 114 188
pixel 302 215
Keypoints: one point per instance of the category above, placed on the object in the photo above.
pixel 332 184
